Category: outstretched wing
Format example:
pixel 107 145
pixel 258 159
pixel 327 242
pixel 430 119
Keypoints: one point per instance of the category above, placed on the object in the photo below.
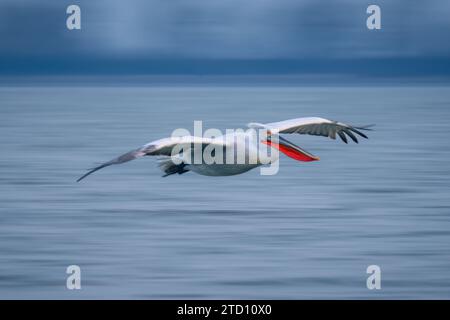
pixel 318 127
pixel 162 147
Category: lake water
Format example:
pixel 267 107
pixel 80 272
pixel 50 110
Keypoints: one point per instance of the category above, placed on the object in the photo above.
pixel 308 232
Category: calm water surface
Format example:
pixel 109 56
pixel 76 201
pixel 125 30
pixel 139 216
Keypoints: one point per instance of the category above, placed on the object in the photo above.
pixel 308 232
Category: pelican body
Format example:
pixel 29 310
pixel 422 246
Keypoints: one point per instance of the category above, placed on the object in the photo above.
pixel 237 152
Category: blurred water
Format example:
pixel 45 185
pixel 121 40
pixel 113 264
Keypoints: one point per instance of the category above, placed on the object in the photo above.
pixel 308 232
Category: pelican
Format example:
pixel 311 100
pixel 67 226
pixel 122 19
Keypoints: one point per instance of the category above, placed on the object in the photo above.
pixel 164 148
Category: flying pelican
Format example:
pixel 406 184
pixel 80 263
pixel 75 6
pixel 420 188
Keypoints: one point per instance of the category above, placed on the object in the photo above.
pixel 165 147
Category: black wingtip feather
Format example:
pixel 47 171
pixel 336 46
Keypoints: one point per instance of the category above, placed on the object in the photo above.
pixel 359 132
pixel 343 137
pixel 92 171
pixel 351 135
pixel 367 127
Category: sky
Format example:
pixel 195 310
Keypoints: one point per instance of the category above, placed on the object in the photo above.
pixel 225 37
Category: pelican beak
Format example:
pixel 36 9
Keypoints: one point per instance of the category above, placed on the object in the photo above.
pixel 291 150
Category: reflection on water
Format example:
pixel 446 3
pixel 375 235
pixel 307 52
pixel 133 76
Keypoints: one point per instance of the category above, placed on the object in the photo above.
pixel 308 232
